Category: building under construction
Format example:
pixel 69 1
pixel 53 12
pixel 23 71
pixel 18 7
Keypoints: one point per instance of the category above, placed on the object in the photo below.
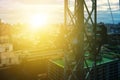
pixel 83 49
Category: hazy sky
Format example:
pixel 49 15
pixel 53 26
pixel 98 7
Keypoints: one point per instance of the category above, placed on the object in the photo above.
pixel 12 11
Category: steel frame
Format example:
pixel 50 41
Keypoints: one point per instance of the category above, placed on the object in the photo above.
pixel 78 20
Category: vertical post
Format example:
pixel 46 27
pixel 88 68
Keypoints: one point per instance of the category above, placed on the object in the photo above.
pixel 65 25
pixel 95 26
pixel 65 11
pixel 80 34
pixel 95 14
pixel 119 4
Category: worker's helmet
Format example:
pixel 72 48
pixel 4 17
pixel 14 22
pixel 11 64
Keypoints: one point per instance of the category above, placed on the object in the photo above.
pixel 101 23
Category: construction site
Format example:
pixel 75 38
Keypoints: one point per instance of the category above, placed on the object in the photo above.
pixel 81 47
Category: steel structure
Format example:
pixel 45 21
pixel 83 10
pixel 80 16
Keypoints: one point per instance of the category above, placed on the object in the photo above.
pixel 76 17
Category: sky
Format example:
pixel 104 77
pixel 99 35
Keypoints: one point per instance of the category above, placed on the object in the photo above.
pixel 19 11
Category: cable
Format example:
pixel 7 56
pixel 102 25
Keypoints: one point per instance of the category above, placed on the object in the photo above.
pixel 110 11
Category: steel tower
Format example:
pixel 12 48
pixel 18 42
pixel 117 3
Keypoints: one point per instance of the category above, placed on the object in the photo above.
pixel 78 15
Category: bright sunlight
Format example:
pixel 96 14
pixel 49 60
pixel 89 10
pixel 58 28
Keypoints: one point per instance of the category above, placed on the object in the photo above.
pixel 38 21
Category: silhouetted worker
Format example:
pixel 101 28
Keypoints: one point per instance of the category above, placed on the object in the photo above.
pixel 103 35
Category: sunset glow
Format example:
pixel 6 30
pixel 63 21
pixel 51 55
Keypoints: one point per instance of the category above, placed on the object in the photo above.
pixel 38 21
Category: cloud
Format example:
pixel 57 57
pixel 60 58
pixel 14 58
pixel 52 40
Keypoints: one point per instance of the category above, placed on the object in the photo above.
pixel 38 2
pixel 103 9
pixel 17 9
pixel 10 10
pixel 103 4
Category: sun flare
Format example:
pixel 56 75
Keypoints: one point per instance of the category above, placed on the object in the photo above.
pixel 38 21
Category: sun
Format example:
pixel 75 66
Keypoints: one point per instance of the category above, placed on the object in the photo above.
pixel 38 21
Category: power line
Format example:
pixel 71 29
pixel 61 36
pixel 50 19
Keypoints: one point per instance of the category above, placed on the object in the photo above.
pixel 110 11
